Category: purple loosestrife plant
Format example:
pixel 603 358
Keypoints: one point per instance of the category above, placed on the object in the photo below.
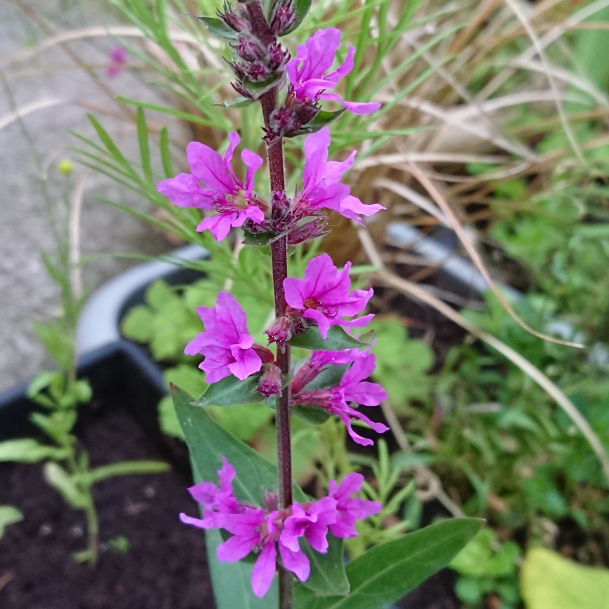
pixel 258 513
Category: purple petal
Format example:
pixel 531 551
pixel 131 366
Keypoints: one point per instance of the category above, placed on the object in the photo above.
pixel 343 530
pixel 320 53
pixel 264 570
pixel 247 363
pixel 233 142
pixel 354 107
pixel 226 474
pixel 345 68
pixel 362 368
pixel 330 197
pixel 351 483
pixel 204 493
pixel 207 165
pixel 354 435
pixel 334 169
pixel 254 213
pixel 253 163
pixel 316 154
pixel 322 321
pixel 185 191
pixel 219 225
pixel 237 547
pixel 232 320
pixel 351 207
pixel 213 371
pixel 206 523
pixel 366 394
pixel 296 562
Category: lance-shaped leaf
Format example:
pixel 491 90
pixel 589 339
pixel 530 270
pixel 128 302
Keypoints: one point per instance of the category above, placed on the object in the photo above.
pixel 230 391
pixel 259 239
pixel 337 340
pixel 259 87
pixel 321 119
pixel 217 27
pixel 207 440
pixel 387 572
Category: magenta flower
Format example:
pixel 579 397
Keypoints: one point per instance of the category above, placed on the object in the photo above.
pixel 323 295
pixel 213 185
pixel 351 389
pixel 256 531
pixel 216 501
pixel 311 522
pixel 315 364
pixel 308 71
pixel 226 344
pixel 321 182
pixel 117 61
pixel 350 509
pixel 264 532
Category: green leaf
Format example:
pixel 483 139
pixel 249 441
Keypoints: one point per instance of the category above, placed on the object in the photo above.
pixel 8 515
pixel 165 153
pixel 138 324
pixel 549 581
pixel 258 88
pixel 217 27
pixel 27 450
pixel 240 102
pixel 127 468
pixel 142 135
pixel 311 414
pixel 255 476
pixel 258 239
pixel 65 485
pixel 302 8
pixel 387 572
pixel 320 120
pixel 337 339
pixel 230 391
pixel 41 381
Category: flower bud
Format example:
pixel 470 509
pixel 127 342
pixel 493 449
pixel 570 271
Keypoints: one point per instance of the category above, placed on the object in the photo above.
pixel 266 355
pixel 306 232
pixel 271 381
pixel 280 331
pixel 283 16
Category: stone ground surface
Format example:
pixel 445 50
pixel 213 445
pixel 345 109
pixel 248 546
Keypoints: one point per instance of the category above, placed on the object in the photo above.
pixel 26 291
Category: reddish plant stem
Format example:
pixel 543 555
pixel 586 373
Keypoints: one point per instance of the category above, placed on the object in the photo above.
pixel 279 258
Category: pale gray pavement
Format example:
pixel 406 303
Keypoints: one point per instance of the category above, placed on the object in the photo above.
pixel 25 289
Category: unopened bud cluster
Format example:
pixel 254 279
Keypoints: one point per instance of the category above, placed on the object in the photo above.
pixel 259 59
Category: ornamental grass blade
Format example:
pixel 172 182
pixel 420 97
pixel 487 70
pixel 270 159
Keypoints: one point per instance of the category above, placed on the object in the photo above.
pixel 387 572
pixel 207 441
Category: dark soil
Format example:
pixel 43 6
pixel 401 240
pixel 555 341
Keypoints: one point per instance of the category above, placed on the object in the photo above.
pixel 436 592
pixel 165 566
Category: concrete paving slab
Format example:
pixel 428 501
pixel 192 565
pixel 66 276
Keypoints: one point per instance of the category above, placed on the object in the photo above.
pixel 25 289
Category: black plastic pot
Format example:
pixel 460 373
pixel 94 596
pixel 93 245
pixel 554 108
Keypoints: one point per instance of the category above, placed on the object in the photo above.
pixel 119 366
